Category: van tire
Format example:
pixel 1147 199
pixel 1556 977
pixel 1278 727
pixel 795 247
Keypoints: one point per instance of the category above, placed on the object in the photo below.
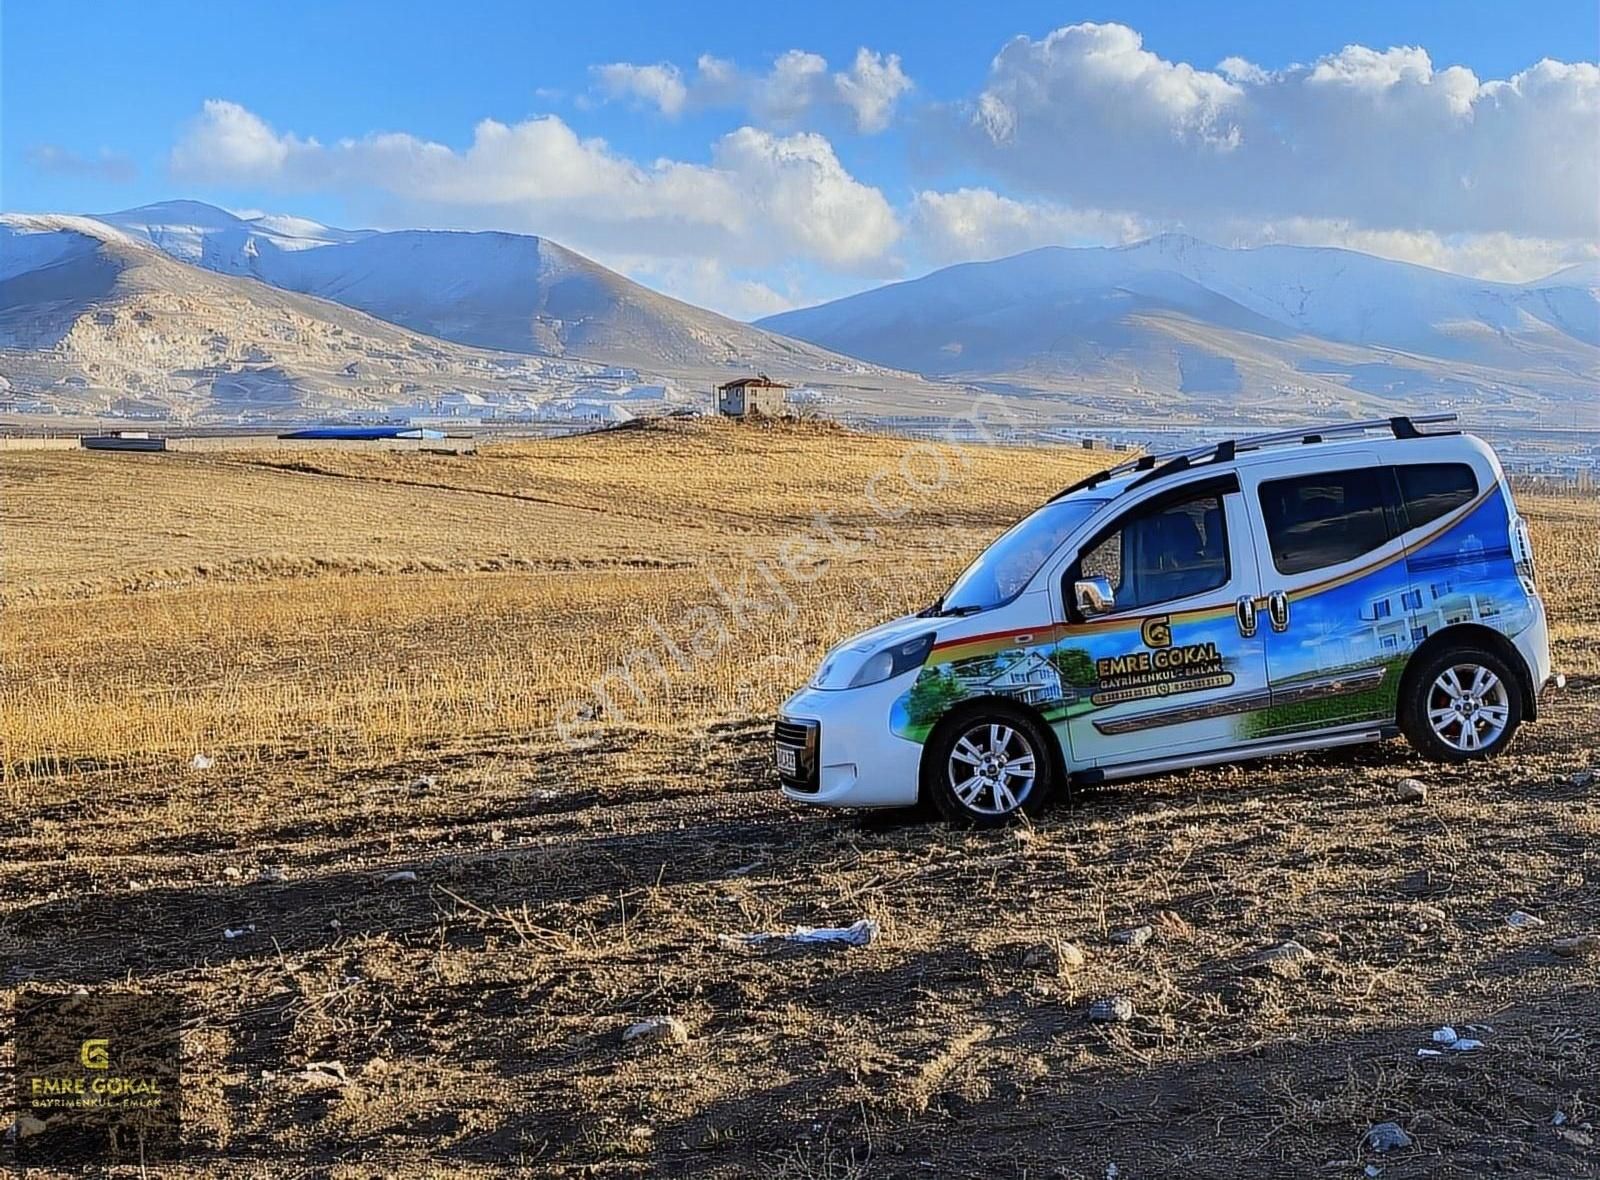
pixel 1427 695
pixel 1003 736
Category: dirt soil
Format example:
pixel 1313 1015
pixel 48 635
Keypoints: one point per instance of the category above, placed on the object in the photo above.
pixel 477 1012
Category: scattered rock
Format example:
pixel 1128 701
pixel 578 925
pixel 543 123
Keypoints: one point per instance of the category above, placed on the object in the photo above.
pixel 233 872
pixel 400 877
pixel 1321 939
pixel 1522 920
pixel 424 782
pixel 1411 790
pixel 1584 946
pixel 1041 956
pixel 665 1029
pixel 1111 1010
pixel 1287 958
pixel 1388 1137
pixel 201 762
pixel 27 1126
pixel 272 875
pixel 1071 956
pixel 1133 935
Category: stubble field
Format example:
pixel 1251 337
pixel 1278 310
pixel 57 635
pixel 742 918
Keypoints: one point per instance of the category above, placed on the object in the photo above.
pixel 540 681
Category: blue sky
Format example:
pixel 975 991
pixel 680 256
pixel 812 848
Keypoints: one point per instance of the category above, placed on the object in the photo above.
pixel 752 157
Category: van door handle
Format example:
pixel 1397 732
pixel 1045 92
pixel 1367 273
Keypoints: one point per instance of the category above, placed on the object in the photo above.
pixel 1245 612
pixel 1278 610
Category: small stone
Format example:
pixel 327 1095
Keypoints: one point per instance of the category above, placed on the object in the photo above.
pixel 400 877
pixel 1584 946
pixel 201 762
pixel 272 875
pixel 233 872
pixel 1042 957
pixel 1287 958
pixel 1071 956
pixel 1522 920
pixel 1111 1010
pixel 27 1126
pixel 424 782
pixel 1411 790
pixel 1133 935
pixel 1388 1137
pixel 666 1029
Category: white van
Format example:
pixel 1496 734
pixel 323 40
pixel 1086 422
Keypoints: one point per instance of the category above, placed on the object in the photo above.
pixel 1290 591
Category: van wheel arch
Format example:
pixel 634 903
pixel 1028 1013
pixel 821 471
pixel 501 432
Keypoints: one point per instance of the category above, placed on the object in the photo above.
pixel 978 706
pixel 1478 636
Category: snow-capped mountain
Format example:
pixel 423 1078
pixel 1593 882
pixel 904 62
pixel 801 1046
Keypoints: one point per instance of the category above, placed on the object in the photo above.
pixel 94 318
pixel 492 290
pixel 1176 314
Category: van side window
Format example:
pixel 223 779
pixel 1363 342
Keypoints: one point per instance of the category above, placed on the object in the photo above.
pixel 1429 490
pixel 1159 552
pixel 1324 519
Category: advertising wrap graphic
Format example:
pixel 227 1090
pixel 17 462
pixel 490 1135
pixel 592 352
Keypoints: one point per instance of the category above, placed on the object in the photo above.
pixel 1338 662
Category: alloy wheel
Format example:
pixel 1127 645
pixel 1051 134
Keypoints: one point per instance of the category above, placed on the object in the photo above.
pixel 992 768
pixel 1468 707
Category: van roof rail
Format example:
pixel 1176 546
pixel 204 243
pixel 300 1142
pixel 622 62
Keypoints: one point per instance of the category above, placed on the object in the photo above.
pixel 1172 462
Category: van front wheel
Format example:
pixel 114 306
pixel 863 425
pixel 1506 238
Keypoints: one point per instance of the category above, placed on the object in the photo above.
pixel 1462 704
pixel 985 767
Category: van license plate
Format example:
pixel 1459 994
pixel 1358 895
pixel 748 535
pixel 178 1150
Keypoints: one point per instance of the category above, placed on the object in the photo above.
pixel 787 761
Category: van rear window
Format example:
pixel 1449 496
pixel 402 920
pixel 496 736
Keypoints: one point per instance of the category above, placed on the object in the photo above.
pixel 1429 490
pixel 1324 519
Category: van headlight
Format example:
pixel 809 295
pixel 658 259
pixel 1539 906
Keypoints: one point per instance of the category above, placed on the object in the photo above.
pixel 894 660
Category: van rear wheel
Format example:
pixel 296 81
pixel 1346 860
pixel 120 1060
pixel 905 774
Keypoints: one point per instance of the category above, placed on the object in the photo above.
pixel 1462 704
pixel 984 767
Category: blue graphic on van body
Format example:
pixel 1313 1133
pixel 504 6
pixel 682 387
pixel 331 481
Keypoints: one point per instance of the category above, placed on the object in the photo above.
pixel 1339 662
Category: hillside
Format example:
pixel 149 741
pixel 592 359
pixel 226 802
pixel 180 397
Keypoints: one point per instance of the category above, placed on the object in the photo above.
pixel 1201 325
pixel 95 319
pixel 493 290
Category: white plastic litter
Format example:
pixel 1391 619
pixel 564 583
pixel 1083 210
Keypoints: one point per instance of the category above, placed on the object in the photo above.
pixel 856 934
pixel 230 935
pixel 1522 920
pixel 1444 1036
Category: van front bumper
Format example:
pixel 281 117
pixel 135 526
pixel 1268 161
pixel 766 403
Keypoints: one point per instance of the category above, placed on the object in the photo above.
pixel 846 754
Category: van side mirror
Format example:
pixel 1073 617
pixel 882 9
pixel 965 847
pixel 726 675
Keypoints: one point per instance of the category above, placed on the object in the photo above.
pixel 1094 596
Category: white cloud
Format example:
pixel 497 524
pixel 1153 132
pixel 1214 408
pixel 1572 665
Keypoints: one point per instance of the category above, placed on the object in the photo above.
pixel 661 86
pixel 763 199
pixel 796 88
pixel 978 223
pixel 1380 139
pixel 705 282
pixel 871 88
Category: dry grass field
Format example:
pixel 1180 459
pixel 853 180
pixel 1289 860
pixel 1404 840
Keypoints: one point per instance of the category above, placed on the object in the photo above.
pixel 380 654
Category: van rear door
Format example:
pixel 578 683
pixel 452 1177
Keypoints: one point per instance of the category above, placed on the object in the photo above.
pixel 1334 585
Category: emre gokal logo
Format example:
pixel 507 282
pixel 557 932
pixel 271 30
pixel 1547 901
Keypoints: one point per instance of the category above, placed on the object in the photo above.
pixel 96 1077
pixel 95 1053
pixel 1156 631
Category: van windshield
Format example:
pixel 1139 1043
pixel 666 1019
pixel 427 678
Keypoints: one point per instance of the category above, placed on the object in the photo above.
pixel 1005 567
